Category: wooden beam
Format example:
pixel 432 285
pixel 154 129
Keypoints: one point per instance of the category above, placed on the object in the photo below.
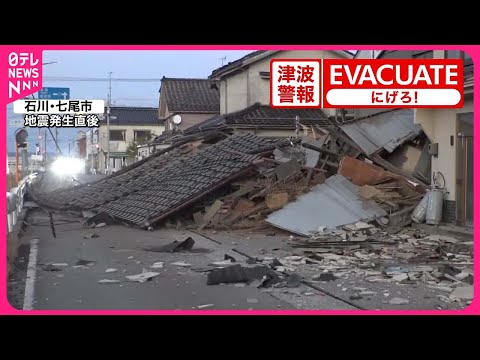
pixel 394 169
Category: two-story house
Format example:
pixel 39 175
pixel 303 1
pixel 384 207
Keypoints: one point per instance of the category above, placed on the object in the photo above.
pixel 129 126
pixel 186 102
pixel 246 81
pixel 244 87
pixel 450 132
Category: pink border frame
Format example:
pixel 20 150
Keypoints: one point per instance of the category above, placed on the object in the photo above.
pixel 473 308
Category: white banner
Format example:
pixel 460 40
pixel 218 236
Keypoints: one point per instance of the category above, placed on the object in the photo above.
pixel 35 106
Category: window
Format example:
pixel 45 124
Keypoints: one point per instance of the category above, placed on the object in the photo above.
pixel 142 136
pixel 117 135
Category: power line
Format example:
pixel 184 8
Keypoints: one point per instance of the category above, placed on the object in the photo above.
pixel 72 78
pixel 124 99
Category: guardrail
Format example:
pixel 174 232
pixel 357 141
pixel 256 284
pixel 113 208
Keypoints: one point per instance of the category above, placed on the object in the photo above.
pixel 15 201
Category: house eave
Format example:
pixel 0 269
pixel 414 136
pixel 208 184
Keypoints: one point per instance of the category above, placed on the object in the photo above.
pixel 235 68
pixel 195 112
pixel 262 127
pixel 129 124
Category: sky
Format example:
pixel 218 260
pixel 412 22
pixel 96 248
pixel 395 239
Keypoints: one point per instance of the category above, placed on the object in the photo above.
pixel 138 64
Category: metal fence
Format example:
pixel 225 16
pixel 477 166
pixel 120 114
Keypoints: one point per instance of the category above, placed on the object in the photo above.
pixel 15 201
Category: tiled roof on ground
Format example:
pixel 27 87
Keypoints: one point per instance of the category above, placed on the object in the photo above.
pixel 122 115
pixel 191 95
pixel 165 183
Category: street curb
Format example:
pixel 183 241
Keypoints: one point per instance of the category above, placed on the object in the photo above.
pixel 440 230
pixel 14 240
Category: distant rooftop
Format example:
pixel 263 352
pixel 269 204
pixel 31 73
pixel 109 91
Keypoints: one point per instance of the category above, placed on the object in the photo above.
pixel 133 115
pixel 191 95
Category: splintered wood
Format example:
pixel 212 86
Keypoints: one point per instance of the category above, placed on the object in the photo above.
pixel 294 185
pixel 391 195
pixel 276 201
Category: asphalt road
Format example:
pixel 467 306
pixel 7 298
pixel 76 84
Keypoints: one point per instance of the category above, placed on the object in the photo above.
pixel 70 287
pixel 73 287
pixel 121 248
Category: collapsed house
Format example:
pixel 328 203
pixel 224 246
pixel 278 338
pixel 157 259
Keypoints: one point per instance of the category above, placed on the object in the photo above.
pixel 364 168
pixel 347 189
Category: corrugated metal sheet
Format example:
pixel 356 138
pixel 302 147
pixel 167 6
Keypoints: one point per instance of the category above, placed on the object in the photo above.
pixel 331 204
pixel 386 130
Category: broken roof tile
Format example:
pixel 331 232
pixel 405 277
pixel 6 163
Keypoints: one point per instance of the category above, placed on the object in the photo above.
pixel 164 183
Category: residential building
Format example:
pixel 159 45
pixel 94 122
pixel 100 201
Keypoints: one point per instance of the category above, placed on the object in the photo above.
pixel 246 81
pixel 450 132
pixel 129 127
pixel 244 87
pixel 194 100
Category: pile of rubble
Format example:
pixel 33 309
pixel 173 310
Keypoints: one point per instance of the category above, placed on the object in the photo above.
pixel 362 254
pixel 229 181
pixel 342 189
pixel 443 263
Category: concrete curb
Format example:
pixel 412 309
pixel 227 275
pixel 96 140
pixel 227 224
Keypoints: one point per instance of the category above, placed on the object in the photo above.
pixel 14 240
pixel 447 230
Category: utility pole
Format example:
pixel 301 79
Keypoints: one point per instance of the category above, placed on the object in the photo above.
pixel 45 150
pixel 17 173
pixel 108 120
pixel 297 119
pixel 56 139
